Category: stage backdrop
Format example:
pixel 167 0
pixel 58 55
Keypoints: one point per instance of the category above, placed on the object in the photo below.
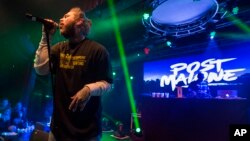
pixel 226 69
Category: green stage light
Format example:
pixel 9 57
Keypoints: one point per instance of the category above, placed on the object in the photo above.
pixel 239 23
pixel 212 34
pixel 145 16
pixel 235 10
pixel 138 130
pixel 169 43
pixel 123 59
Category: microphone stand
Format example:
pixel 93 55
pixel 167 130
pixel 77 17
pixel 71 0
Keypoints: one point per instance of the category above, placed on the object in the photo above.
pixel 46 29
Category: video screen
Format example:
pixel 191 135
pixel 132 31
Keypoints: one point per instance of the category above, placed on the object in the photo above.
pixel 225 69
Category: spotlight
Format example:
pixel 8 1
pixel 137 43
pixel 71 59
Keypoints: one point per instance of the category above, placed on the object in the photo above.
pixel 137 135
pixel 235 10
pixel 212 34
pixel 232 6
pixel 146 50
pixel 131 77
pixel 138 130
pixel 211 27
pixel 169 43
pixel 145 16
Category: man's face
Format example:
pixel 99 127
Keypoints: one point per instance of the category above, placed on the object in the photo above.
pixel 67 25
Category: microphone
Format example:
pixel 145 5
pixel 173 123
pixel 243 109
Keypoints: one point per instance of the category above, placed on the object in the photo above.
pixel 46 23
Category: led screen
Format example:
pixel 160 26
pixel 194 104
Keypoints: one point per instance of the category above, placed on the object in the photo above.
pixel 223 69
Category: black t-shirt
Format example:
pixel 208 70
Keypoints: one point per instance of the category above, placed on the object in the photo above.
pixel 75 65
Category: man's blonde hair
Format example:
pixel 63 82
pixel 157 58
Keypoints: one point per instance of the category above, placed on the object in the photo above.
pixel 80 14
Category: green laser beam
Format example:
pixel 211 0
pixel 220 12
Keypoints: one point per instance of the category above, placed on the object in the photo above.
pixel 123 59
pixel 239 24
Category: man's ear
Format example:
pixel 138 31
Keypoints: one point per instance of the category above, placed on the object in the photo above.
pixel 79 22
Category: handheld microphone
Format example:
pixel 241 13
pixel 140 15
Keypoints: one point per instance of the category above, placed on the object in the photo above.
pixel 41 20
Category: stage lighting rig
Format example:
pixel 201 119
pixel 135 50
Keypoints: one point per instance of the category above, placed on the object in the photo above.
pixel 181 18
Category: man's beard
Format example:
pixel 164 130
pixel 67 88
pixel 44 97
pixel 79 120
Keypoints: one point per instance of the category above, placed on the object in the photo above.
pixel 69 31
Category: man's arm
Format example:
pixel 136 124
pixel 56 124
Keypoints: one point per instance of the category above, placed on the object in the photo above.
pixel 41 62
pixel 93 89
pixel 99 88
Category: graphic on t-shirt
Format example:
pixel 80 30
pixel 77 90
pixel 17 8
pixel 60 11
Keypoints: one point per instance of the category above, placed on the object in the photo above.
pixel 68 61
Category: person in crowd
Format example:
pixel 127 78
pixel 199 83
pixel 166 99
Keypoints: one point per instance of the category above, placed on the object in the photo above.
pixel 5 120
pixel 4 104
pixel 5 115
pixel 18 117
pixel 82 73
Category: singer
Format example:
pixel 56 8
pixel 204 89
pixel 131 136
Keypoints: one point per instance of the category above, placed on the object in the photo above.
pixel 82 74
